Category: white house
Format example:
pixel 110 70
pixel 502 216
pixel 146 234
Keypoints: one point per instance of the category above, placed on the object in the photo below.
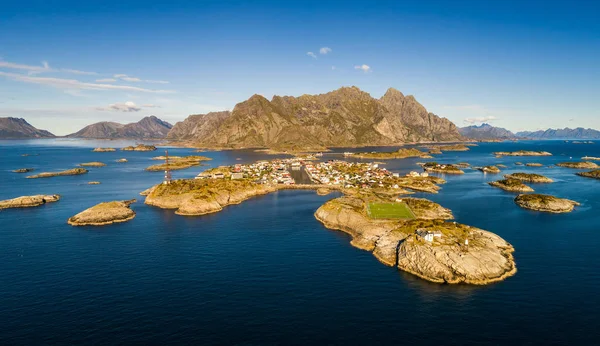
pixel 429 235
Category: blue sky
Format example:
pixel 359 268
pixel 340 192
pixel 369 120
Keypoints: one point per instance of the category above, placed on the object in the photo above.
pixel 523 65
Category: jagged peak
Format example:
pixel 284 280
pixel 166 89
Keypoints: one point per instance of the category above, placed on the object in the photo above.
pixel 393 92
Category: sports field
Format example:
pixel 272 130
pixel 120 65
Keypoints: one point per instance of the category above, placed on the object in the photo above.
pixel 379 210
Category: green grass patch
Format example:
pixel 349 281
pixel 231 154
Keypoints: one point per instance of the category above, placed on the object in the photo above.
pixel 383 210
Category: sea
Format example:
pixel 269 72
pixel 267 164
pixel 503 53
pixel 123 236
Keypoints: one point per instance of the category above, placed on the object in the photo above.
pixel 266 272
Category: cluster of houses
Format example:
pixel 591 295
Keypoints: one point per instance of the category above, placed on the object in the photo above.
pixel 428 235
pixel 350 174
pixel 264 172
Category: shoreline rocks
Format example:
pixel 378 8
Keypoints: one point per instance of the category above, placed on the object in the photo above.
pixel 28 201
pixel 105 213
pixel 73 171
pixel 545 203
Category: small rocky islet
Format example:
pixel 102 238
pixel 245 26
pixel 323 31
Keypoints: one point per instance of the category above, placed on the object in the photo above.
pixel 402 153
pixel 435 167
pixel 545 203
pixel 139 147
pixel 28 201
pixel 104 150
pixel 512 185
pixel 592 174
pixel 522 153
pixel 105 213
pixel 578 165
pixel 92 164
pixel 178 163
pixel 529 177
pixel 72 171
pixel 23 170
pixel 489 169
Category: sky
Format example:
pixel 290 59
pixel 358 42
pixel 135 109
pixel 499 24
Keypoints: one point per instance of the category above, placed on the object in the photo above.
pixel 522 65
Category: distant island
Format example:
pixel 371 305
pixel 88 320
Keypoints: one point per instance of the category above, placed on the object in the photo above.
pixel 486 132
pixel 566 133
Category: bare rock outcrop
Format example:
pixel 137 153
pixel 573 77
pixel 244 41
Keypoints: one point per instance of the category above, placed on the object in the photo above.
pixel 545 203
pixel 28 201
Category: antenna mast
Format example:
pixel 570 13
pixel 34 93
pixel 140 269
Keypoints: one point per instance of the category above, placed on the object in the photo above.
pixel 167 170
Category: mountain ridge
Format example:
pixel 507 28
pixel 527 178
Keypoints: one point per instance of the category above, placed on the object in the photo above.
pixel 566 133
pixel 19 128
pixel 347 116
pixel 149 127
pixel 486 131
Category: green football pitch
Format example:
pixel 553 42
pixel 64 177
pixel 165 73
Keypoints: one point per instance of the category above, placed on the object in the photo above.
pixel 379 210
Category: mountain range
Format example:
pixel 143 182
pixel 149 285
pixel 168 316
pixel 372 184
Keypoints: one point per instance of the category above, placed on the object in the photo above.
pixel 486 131
pixel 344 117
pixel 566 133
pixel 149 127
pixel 18 128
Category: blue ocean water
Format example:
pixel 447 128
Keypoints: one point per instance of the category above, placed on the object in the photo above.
pixel 266 272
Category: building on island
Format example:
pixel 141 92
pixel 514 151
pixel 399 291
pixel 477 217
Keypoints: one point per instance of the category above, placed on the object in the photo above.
pixel 429 235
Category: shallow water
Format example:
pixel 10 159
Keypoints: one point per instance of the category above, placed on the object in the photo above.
pixel 266 272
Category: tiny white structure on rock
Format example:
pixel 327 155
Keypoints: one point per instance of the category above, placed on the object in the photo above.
pixel 429 235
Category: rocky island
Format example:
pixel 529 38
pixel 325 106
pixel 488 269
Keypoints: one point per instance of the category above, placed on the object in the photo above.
pixel 28 201
pixel 578 165
pixel 545 203
pixel 442 168
pixel 104 150
pixel 23 170
pixel 388 155
pixel 489 169
pixel 104 214
pixel 140 147
pixel 512 185
pixel 426 246
pixel 534 164
pixel 523 153
pixel 121 160
pixel 72 171
pixel 529 177
pixel 179 163
pixel 92 164
pixel 449 147
pixel 593 174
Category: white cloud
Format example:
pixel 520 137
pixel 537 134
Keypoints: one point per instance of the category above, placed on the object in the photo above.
pixel 484 119
pixel 128 106
pixel 325 50
pixel 312 55
pixel 363 67
pixel 106 80
pixel 75 84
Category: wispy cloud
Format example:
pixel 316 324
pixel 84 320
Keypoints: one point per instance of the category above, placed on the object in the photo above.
pixel 484 119
pixel 150 105
pixel 363 67
pixel 131 79
pixel 312 55
pixel 73 84
pixel 45 67
pixel 325 50
pixel 106 80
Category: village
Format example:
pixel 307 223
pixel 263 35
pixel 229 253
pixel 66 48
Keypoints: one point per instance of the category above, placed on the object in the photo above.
pixel 333 172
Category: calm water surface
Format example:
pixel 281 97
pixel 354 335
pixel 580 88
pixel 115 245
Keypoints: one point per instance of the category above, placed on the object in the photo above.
pixel 266 272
